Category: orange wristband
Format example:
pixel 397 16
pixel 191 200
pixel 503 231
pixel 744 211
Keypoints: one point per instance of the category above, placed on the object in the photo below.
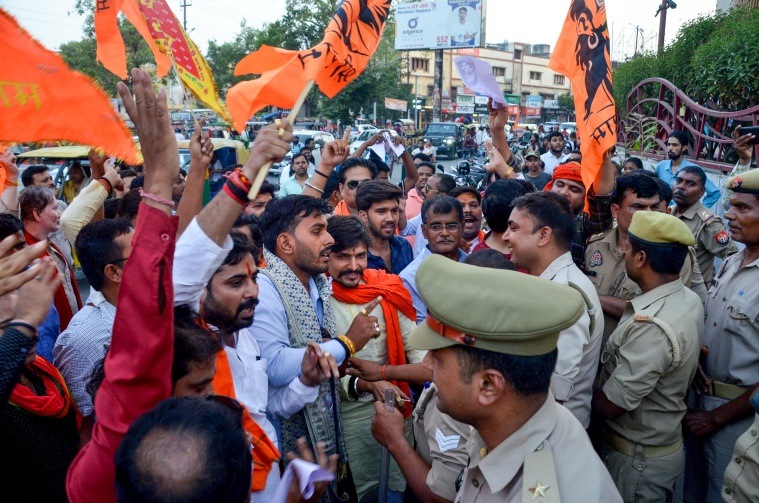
pixel 383 372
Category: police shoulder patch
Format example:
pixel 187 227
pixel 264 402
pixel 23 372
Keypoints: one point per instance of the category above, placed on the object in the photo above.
pixel 722 238
pixel 596 259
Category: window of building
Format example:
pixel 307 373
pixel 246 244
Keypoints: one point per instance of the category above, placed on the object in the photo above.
pixel 517 53
pixel 558 80
pixel 430 90
pixel 499 71
pixel 536 75
pixel 420 64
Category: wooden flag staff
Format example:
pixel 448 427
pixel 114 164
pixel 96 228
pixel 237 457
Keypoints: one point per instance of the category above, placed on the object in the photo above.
pixel 261 176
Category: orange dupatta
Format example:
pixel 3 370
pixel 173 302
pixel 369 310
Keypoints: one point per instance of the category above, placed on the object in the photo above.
pixel 264 451
pixel 395 298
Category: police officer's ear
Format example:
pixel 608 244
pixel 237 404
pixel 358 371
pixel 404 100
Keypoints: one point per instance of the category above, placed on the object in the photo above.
pixel 492 386
pixel 614 210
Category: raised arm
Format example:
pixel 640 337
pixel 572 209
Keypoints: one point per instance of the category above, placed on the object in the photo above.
pixel 9 196
pixel 201 153
pixel 333 153
pixel 379 135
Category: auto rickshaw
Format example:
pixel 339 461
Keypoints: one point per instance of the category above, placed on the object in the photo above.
pixel 226 154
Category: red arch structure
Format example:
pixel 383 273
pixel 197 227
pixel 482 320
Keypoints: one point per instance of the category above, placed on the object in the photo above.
pixel 661 101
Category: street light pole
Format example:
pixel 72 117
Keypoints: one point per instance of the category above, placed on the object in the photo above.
pixel 662 23
pixel 416 102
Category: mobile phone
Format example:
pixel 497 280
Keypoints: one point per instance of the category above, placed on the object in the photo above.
pixel 754 130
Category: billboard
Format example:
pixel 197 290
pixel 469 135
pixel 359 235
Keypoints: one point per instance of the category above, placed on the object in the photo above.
pixel 443 24
pixel 393 104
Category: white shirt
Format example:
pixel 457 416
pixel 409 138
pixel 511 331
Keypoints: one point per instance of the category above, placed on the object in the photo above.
pixel 579 350
pixel 551 161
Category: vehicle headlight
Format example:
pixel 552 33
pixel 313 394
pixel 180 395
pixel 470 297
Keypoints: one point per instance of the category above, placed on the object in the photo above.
pixel 449 141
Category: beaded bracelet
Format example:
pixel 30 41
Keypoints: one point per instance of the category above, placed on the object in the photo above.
pixel 156 199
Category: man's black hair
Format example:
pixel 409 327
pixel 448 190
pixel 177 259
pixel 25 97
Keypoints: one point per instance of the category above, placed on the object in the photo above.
pixel 664 259
pixel 96 248
pixel 332 185
pixel 192 343
pixel 130 204
pixel 465 189
pixel 446 183
pixel 9 225
pixel 186 449
pixel 267 188
pixel 441 204
pixel 682 136
pixel 111 207
pixel 284 215
pixel 635 160
pixel 695 170
pixel 27 176
pixel 427 164
pixel 124 173
pixel 353 162
pixel 498 201
pixel 528 375
pixel 488 257
pixel 253 223
pixel 549 209
pixel 665 191
pixel 641 186
pixel 348 232
pixel 137 183
pixel 423 157
pixel 375 191
pixel 242 246
pixel 553 134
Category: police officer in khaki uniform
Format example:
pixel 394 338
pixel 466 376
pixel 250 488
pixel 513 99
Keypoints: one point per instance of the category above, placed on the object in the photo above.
pixel 649 363
pixel 605 254
pixel 730 352
pixel 742 474
pixel 712 239
pixel 492 364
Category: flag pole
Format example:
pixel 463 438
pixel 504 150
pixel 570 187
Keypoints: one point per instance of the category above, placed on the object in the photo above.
pixel 261 176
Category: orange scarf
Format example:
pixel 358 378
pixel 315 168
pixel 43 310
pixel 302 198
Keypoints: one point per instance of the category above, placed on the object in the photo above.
pixel 395 298
pixel 264 451
pixel 342 209
pixel 55 403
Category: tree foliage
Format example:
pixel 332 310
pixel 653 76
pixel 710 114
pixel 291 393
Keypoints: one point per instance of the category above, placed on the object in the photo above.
pixel 566 103
pixel 712 59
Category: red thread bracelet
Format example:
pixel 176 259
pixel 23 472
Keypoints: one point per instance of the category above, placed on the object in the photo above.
pixel 383 372
pixel 228 191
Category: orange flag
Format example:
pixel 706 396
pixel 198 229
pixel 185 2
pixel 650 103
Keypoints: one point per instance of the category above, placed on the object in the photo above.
pixel 43 99
pixel 582 54
pixel 350 39
pixel 160 27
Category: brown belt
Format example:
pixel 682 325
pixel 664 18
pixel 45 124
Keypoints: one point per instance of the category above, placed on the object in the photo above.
pixel 628 448
pixel 724 390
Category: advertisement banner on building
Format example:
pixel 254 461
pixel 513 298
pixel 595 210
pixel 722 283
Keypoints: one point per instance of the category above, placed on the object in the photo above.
pixel 512 99
pixel 530 111
pixel 393 104
pixel 465 104
pixel 551 104
pixel 512 109
pixel 442 24
pixel 533 101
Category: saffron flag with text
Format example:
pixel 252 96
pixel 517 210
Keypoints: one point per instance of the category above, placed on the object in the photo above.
pixel 42 99
pixel 350 39
pixel 582 54
pixel 169 42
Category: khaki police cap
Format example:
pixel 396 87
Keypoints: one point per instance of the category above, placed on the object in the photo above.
pixel 496 310
pixel 747 182
pixel 532 153
pixel 657 228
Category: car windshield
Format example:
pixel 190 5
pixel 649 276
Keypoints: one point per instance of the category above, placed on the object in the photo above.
pixel 441 129
pixel 568 125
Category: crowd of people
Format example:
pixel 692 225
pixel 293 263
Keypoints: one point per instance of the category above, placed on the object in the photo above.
pixel 535 339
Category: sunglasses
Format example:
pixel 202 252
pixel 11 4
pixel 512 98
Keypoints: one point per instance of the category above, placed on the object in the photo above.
pixel 353 184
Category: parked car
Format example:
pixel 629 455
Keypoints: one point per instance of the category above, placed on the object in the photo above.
pixel 357 129
pixel 361 138
pixel 446 137
pixel 568 126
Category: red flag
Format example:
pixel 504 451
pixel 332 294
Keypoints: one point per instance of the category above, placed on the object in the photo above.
pixel 582 54
pixel 350 39
pixel 42 99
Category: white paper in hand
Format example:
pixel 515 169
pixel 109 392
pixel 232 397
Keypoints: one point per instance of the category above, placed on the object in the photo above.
pixel 308 474
pixel 478 76
pixel 379 149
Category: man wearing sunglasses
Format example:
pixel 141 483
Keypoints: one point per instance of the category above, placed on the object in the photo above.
pixel 353 172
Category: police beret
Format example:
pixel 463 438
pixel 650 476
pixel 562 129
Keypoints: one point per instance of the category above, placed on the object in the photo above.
pixel 496 310
pixel 660 229
pixel 747 182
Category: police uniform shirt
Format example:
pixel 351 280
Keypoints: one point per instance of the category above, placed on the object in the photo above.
pixel 731 333
pixel 712 239
pixel 741 482
pixel 640 373
pixel 576 474
pixel 441 442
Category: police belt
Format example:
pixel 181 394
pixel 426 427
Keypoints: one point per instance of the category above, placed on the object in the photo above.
pixel 628 448
pixel 724 390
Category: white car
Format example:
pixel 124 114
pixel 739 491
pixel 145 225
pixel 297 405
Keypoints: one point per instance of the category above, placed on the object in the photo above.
pixel 320 139
pixel 361 138
pixel 357 130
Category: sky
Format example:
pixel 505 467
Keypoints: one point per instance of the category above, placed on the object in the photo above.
pixel 533 22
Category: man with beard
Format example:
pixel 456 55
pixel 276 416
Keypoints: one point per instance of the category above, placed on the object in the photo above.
pixel 354 287
pixel 471 202
pixel 712 240
pixel 539 233
pixel 295 314
pixel 296 183
pixel 555 154
pixel 730 360
pixel 416 195
pixel 442 219
pixel 378 203
pixel 677 144
pixel 215 272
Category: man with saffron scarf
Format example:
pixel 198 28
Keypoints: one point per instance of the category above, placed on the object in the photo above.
pixel 353 287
